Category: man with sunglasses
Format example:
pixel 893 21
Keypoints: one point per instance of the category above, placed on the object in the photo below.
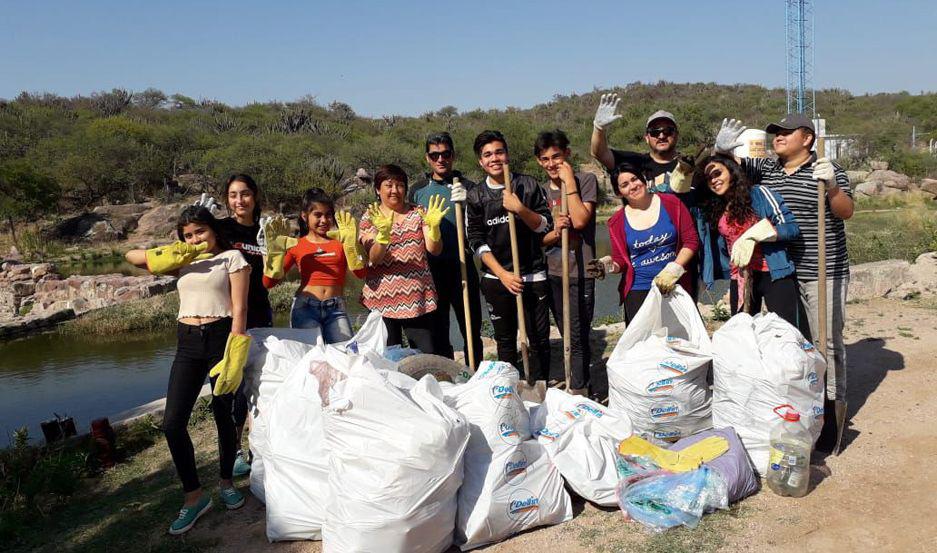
pixel 447 276
pixel 661 136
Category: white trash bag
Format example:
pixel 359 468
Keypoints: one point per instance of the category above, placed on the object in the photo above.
pixel 657 371
pixel 510 483
pixel 581 437
pixel 760 363
pixel 395 465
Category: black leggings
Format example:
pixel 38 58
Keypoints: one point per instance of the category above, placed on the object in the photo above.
pixel 633 302
pixel 199 349
pixel 447 276
pixel 502 310
pixel 581 308
pixel 780 296
pixel 420 333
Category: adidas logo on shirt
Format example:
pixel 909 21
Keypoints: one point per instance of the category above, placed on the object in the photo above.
pixel 497 220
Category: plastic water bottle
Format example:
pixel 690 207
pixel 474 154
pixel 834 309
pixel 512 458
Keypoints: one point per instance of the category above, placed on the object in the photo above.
pixel 789 456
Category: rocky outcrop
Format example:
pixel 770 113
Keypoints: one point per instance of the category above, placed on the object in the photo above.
pixel 894 278
pixel 33 295
pixel 106 223
pixel 159 223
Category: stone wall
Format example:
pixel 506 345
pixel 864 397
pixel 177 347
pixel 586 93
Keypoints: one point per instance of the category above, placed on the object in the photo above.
pixel 894 278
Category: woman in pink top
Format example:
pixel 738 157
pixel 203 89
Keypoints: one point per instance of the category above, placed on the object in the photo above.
pixel 396 237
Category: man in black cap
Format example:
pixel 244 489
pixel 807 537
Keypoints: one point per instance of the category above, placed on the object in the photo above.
pixel 661 162
pixel 794 175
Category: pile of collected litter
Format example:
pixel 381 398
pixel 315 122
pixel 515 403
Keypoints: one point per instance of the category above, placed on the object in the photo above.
pixel 351 449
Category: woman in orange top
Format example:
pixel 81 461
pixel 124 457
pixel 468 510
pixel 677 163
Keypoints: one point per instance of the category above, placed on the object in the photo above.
pixel 323 262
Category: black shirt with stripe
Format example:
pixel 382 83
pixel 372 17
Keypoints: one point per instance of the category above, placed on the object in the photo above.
pixel 799 191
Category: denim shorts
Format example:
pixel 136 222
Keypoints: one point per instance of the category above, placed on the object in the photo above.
pixel 328 315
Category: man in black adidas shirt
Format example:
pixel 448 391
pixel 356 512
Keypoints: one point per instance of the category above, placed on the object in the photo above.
pixel 487 207
pixel 794 176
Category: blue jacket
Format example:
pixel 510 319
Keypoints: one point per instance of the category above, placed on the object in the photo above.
pixel 766 205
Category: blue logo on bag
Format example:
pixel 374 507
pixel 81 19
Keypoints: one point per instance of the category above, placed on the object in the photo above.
pixel 548 434
pixel 590 409
pixel 499 392
pixel 507 431
pixel 666 434
pixel 818 412
pixel 812 379
pixel 673 365
pixel 807 346
pixel 661 386
pixel 515 469
pixel 665 411
pixel 523 503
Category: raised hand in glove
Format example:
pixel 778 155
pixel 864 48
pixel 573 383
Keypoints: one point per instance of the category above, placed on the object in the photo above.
pixel 276 251
pixel 457 192
pixel 666 279
pixel 744 246
pixel 598 268
pixel 230 370
pixel 433 216
pixel 681 179
pixel 605 114
pixel 728 137
pixel 165 259
pixel 382 223
pixel 347 234
pixel 206 201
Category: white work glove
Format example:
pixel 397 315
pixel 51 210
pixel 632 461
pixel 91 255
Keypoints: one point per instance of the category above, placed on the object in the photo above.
pixel 605 114
pixel 207 202
pixel 262 234
pixel 823 170
pixel 598 268
pixel 270 228
pixel 728 137
pixel 666 279
pixel 744 246
pixel 456 192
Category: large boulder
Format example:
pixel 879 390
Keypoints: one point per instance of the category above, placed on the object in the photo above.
pixel 868 188
pixel 890 179
pixel 929 186
pixel 858 176
pixel 103 224
pixel 877 279
pixel 878 165
pixel 158 224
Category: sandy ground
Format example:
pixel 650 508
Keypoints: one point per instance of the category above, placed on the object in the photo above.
pixel 880 494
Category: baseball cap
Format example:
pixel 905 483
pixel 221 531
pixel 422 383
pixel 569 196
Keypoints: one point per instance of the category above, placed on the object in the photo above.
pixel 661 114
pixel 791 122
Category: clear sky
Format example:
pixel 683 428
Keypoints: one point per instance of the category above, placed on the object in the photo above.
pixel 411 57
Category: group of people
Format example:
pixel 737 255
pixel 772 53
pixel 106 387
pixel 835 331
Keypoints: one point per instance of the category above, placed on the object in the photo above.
pixel 683 220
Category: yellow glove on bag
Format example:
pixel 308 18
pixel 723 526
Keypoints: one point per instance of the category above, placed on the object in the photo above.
pixel 165 259
pixel 230 370
pixel 276 251
pixel 434 215
pixel 347 234
pixel 675 461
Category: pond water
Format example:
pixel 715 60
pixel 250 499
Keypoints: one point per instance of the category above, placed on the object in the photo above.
pixel 93 376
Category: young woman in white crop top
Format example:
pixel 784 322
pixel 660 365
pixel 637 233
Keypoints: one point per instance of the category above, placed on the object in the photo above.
pixel 213 284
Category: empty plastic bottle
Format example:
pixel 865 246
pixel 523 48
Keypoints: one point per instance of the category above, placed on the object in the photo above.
pixel 789 456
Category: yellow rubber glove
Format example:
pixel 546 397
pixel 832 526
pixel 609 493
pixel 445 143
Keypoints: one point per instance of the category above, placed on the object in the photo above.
pixel 276 251
pixel 675 461
pixel 347 234
pixel 230 370
pixel 744 246
pixel 666 279
pixel 681 178
pixel 433 216
pixel 382 223
pixel 165 259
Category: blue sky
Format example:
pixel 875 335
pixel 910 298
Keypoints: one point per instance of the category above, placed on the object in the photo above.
pixel 412 57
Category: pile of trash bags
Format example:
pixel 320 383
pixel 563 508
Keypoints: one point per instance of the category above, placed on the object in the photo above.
pixel 351 451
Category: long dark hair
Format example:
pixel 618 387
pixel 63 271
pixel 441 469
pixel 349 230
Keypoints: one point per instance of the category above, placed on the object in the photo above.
pixel 625 167
pixel 310 197
pixel 249 181
pixel 737 200
pixel 201 215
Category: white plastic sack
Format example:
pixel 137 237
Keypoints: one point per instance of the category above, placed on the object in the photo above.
pixel 395 465
pixel 760 363
pixel 510 483
pixel 581 437
pixel 657 371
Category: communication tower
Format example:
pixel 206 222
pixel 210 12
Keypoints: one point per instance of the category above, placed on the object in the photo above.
pixel 798 30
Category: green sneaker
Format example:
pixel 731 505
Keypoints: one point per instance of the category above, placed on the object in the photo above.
pixel 188 515
pixel 232 498
pixel 241 465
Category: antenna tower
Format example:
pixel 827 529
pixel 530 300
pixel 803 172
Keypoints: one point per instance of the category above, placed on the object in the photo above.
pixel 798 30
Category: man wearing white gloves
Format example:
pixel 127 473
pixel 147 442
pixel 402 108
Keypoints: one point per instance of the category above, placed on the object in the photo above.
pixel 440 155
pixel 794 176
pixel 662 166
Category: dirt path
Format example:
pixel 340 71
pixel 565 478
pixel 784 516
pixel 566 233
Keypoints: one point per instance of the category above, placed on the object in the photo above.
pixel 880 494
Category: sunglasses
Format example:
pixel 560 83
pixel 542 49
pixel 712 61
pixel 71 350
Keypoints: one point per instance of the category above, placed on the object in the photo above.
pixel 666 131
pixel 445 154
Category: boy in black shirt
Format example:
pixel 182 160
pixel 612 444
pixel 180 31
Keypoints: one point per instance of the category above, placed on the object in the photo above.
pixel 487 206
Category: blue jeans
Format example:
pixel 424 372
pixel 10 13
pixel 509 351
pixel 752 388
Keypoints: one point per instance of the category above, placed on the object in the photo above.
pixel 329 315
